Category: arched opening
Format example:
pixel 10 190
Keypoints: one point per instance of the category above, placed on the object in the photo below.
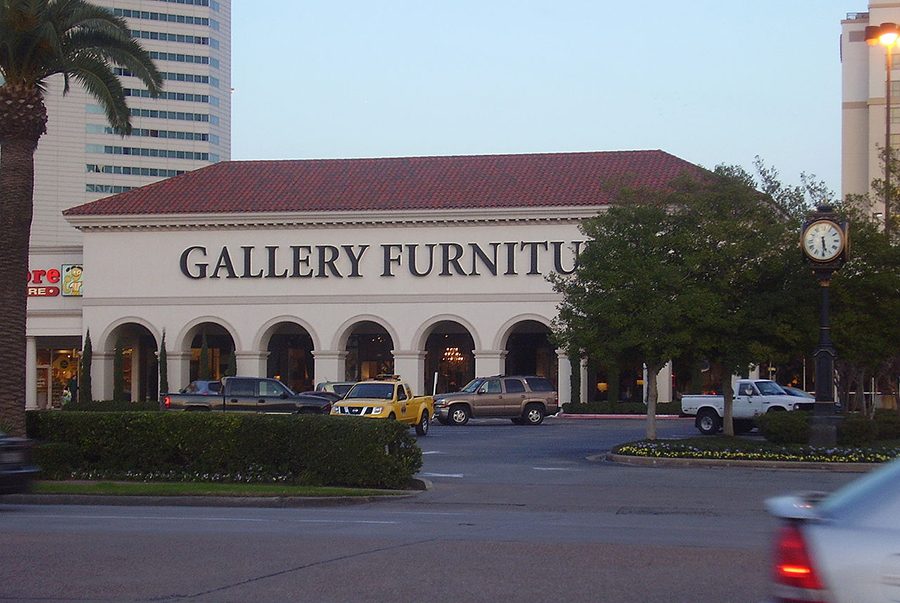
pixel 290 357
pixel 212 352
pixel 449 355
pixel 610 382
pixel 135 365
pixel 369 351
pixel 530 352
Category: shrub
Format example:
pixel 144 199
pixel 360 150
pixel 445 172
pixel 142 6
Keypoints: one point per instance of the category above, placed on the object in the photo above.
pixel 57 459
pixel 887 422
pixel 112 406
pixel 785 427
pixel 856 430
pixel 311 449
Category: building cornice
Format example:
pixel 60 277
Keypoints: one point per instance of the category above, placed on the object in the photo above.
pixel 54 249
pixel 342 219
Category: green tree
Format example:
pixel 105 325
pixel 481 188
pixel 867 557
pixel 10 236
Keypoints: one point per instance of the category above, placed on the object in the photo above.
pixel 163 366
pixel 626 301
pixel 119 372
pixel 865 305
pixel 742 258
pixel 203 368
pixel 230 364
pixel 85 393
pixel 40 39
pixel 707 268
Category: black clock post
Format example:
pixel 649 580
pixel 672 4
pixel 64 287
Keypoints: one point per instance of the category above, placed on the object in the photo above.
pixel 824 240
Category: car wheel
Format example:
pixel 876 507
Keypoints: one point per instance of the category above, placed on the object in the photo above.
pixel 459 415
pixel 534 414
pixel 392 417
pixel 422 425
pixel 775 409
pixel 708 422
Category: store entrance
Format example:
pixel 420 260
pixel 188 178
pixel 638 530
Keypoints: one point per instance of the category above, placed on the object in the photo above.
pixel 57 370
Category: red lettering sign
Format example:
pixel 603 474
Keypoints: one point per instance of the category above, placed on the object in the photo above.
pixel 36 277
pixel 43 291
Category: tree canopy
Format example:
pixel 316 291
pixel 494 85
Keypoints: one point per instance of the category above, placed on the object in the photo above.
pixel 708 268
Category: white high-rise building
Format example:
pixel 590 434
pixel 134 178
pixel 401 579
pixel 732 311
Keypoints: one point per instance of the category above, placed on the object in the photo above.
pixel 81 159
pixel 864 95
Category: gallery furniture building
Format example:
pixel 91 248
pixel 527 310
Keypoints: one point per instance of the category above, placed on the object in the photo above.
pixel 81 159
pixel 434 268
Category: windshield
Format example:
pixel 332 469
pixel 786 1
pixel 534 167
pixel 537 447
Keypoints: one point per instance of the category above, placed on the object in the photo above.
pixel 769 388
pixel 383 391
pixel 881 484
pixel 472 386
pixel 342 388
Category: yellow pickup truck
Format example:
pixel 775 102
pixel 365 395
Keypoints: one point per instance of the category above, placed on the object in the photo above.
pixel 387 398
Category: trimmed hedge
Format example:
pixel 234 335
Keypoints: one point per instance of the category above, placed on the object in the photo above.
pixel 620 408
pixel 853 429
pixel 311 450
pixel 784 427
pixel 856 430
pixel 887 423
pixel 111 406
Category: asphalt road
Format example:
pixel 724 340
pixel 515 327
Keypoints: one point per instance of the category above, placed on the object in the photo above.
pixel 514 513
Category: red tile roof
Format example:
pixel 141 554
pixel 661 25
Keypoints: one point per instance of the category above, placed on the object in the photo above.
pixel 397 184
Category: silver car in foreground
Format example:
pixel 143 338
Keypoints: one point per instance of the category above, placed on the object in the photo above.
pixel 844 547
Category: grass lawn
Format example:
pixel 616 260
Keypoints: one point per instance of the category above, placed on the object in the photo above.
pixel 741 448
pixel 197 489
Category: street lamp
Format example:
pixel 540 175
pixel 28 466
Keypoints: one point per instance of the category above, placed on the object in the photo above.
pixel 886 35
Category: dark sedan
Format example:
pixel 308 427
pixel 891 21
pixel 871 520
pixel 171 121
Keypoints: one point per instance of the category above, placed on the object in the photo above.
pixel 16 470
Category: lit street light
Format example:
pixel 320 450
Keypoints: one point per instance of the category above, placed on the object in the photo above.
pixel 886 35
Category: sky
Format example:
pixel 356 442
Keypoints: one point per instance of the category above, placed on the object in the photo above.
pixel 712 82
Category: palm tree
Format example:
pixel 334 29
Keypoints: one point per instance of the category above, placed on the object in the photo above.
pixel 39 39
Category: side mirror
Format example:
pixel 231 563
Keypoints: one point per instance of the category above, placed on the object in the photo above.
pixel 283 395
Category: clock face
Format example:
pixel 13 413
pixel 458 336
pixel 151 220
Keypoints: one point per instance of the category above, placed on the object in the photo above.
pixel 823 241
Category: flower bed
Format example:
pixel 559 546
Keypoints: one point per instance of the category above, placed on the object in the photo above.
pixel 748 450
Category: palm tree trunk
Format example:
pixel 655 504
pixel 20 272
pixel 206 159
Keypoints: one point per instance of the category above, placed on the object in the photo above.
pixel 17 190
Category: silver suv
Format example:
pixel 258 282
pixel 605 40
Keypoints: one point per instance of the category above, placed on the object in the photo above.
pixel 526 400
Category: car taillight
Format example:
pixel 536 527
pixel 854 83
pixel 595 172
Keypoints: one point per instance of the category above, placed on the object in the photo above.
pixel 794 568
pixel 167 402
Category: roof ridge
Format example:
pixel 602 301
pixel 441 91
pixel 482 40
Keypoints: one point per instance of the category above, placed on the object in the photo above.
pixel 553 179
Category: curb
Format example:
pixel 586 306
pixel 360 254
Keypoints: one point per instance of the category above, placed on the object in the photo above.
pixel 581 416
pixel 416 485
pixel 649 461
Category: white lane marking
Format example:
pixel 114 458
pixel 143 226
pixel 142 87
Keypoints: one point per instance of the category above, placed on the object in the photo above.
pixel 442 474
pixel 432 452
pixel 554 469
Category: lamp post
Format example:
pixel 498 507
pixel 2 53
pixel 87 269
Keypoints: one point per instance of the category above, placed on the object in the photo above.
pixel 886 35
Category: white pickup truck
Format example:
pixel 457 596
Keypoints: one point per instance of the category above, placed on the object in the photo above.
pixel 752 397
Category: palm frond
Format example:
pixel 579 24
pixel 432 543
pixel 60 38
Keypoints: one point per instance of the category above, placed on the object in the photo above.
pixel 101 83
